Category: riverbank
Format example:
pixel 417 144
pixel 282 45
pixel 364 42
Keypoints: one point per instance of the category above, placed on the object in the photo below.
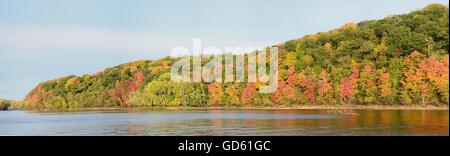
pixel 322 107
pixel 301 107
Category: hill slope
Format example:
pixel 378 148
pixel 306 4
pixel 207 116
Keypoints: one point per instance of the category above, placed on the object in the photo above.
pixel 401 59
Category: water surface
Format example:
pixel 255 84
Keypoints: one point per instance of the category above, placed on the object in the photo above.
pixel 227 122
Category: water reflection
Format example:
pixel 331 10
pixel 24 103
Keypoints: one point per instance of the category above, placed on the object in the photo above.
pixel 238 122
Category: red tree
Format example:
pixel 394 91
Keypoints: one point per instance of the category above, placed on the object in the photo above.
pixel 249 93
pixel 215 93
pixel 121 91
pixel 286 89
pixel 284 93
pixel 138 79
pixel 349 84
pixel 324 85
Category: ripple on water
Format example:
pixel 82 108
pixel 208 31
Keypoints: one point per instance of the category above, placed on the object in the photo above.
pixel 248 122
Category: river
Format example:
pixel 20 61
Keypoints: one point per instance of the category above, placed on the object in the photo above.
pixel 225 122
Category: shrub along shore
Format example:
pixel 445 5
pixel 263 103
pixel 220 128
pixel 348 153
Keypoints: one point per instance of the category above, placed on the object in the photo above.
pixel 297 107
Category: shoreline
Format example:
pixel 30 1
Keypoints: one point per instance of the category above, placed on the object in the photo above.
pixel 318 107
pixel 304 107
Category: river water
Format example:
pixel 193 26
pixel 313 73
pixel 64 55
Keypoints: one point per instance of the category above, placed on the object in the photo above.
pixel 226 122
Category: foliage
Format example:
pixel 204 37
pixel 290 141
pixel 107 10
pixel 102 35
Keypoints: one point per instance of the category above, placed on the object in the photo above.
pixel 401 59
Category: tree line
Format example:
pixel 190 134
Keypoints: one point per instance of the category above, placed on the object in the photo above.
pixel 9 104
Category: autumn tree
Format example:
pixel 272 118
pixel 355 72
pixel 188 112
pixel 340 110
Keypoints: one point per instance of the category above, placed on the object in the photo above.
pixel 436 79
pixel 324 88
pixel 348 85
pixel 287 90
pixel 385 87
pixel 415 88
pixel 216 93
pixel 249 94
pixel 232 95
pixel 308 86
pixel 368 87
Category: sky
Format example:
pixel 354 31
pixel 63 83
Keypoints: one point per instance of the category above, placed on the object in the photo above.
pixel 46 39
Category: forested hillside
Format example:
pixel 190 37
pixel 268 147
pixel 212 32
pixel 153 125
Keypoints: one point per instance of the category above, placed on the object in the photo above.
pixel 398 60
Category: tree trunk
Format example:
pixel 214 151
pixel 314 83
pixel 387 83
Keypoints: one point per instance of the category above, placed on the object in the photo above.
pixel 423 100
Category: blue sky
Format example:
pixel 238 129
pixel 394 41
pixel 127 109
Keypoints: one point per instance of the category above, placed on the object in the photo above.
pixel 46 39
